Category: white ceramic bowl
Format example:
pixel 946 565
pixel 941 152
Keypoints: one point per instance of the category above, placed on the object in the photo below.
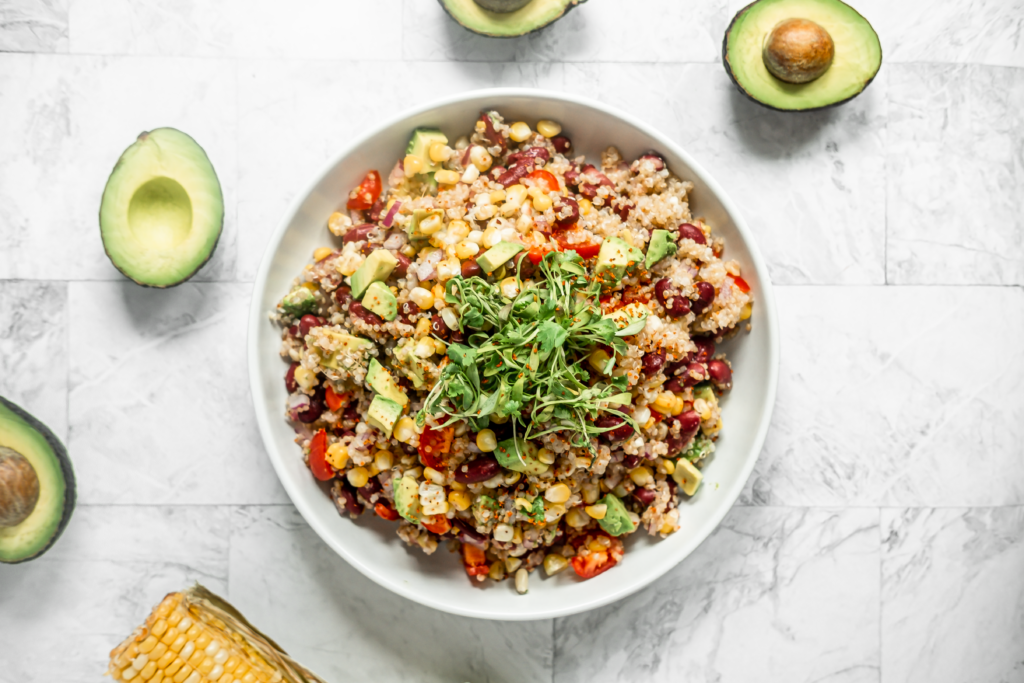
pixel 370 544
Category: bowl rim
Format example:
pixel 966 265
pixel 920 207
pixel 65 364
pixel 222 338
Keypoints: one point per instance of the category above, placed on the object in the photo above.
pixel 766 303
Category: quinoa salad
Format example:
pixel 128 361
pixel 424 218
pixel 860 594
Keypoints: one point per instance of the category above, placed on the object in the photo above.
pixel 511 353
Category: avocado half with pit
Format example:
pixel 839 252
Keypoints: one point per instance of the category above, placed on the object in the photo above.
pixel 162 210
pixel 799 55
pixel 507 18
pixel 37 486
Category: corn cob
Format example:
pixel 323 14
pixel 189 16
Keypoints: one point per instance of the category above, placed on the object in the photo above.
pixel 196 637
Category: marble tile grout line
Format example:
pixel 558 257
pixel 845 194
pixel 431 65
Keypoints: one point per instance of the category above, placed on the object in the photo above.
pixel 881 601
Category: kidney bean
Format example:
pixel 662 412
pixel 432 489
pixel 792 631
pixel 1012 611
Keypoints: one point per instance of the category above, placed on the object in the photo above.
pixel 343 295
pixel 477 470
pixel 631 461
pixel 689 425
pixel 645 496
pixel 289 379
pixel 372 488
pixel 659 162
pixel 293 331
pixel 308 322
pixel 467 534
pixel 358 233
pixel 705 349
pixel 513 175
pixel 572 176
pixel 458 337
pixel 314 410
pixel 522 262
pixel 595 177
pixel 690 231
pixel 705 295
pixel 537 156
pixel 352 412
pixel 406 311
pixel 676 305
pixel 587 190
pixel 622 208
pixel 566 219
pixel 357 310
pixel 721 373
pixel 376 209
pixel 674 385
pixel 439 327
pixel 561 144
pixel 652 362
pixel 369 247
pixel 619 433
pixel 344 497
pixel 695 374
pixel 402 267
pixel 471 268
pixel 492 134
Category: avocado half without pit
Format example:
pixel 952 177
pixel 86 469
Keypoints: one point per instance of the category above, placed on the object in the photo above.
pixel 507 18
pixel 37 486
pixel 162 210
pixel 799 55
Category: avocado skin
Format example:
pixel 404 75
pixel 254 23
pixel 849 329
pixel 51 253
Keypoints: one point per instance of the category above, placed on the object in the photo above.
pixel 568 7
pixel 213 250
pixel 66 471
pixel 732 76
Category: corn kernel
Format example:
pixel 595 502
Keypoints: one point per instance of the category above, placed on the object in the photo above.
pixel 546 456
pixel 522 581
pixel 339 223
pixel 159 628
pixel 541 202
pixel 470 174
pixel 599 359
pixel 485 212
pixel 305 378
pixel 147 645
pixel 440 348
pixel 439 152
pixel 322 253
pixel 666 466
pixel 358 476
pixel 559 493
pixel 548 129
pixel 745 312
pixel 641 476
pixel 517 535
pixel 405 429
pixel 459 500
pixel 591 492
pixel 515 194
pixel 497 571
pixel 491 237
pixel 458 229
pixel 433 475
pixel 553 564
pixel 497 196
pixel 456 486
pixel 503 533
pixel 424 348
pixel 383 460
pixel 597 511
pixel 446 177
pixel 577 518
pixel 412 165
pixel 520 131
pixel 665 402
pixel 585 207
pixel 486 440
pixel 438 292
pixel 422 298
pixel 512 564
pixel 480 158
pixel 430 224
pixel 466 249
pixel 509 288
pixel 422 327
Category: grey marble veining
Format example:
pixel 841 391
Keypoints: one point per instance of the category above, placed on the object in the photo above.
pixel 881 535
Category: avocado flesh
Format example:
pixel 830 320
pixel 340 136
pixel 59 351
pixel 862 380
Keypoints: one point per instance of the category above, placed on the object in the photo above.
pixel 33 536
pixel 536 14
pixel 162 210
pixel 858 54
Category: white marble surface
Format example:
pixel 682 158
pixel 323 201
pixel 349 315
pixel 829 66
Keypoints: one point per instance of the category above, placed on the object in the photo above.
pixel 881 536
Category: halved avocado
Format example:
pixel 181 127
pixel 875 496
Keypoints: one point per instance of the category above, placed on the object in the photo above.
pixel 856 59
pixel 37 486
pixel 162 210
pixel 507 18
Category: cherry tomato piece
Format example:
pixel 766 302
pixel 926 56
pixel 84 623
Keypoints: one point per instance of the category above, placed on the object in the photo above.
pixel 439 524
pixel 474 560
pixel 384 511
pixel 434 444
pixel 363 196
pixel 542 179
pixel 740 283
pixel 593 564
pixel 322 470
pixel 537 253
pixel 334 400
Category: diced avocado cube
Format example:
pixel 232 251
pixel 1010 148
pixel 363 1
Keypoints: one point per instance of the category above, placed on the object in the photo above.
pixel 377 267
pixel 410 365
pixel 508 457
pixel 705 392
pixel 535 513
pixel 484 508
pixel 413 229
pixel 380 300
pixel 383 414
pixel 419 146
pixel 629 319
pixel 661 246
pixel 615 256
pixel 381 381
pixel 687 476
pixel 700 448
pixel 299 301
pixel 407 498
pixel 497 255
pixel 616 520
pixel 347 345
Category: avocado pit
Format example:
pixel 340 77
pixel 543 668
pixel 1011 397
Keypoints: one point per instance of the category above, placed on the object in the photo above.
pixel 798 51
pixel 19 488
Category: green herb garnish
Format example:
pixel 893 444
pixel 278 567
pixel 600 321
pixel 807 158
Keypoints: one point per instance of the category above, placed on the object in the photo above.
pixel 523 357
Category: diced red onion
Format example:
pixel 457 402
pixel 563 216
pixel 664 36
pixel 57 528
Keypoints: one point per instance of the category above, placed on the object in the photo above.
pixel 390 217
